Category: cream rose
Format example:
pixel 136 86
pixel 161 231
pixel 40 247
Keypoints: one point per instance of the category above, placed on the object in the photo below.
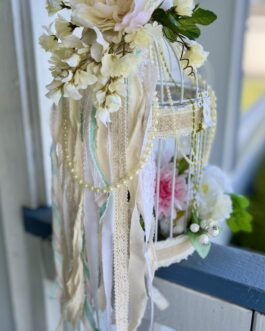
pixel 184 7
pixel 196 54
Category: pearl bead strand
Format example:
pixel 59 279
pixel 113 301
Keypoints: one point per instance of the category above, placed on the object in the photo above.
pixel 122 181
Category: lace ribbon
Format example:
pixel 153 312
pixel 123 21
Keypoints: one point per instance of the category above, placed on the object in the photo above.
pixel 121 222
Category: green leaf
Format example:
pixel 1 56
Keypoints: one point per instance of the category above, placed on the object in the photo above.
pixel 199 16
pixel 202 250
pixel 182 166
pixel 170 35
pixel 172 22
pixel 194 218
pixel 167 19
pixel 204 17
pixel 240 219
pixel 190 31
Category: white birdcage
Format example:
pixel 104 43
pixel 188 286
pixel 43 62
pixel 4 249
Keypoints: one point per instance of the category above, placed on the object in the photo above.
pixel 185 118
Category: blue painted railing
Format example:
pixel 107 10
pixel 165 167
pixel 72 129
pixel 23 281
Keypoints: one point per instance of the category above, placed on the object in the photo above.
pixel 228 273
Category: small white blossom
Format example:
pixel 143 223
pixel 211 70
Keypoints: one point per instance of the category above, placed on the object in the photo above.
pixel 109 65
pixel 83 79
pixel 113 102
pixel 117 86
pixel 144 36
pixel 128 65
pixel 63 27
pixel 184 7
pixel 73 60
pixel 55 90
pixel 196 54
pixel 71 91
pixel 48 42
pixel 103 115
pixel 53 6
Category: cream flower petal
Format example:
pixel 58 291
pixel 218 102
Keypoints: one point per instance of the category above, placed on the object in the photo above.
pixel 73 61
pixel 55 91
pixel 83 79
pixel 48 42
pixel 63 27
pixel 184 7
pixel 72 41
pixel 113 102
pixel 71 91
pixel 100 97
pixel 196 54
pixel 103 115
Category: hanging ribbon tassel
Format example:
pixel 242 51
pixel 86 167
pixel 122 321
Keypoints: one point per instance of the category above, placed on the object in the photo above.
pixel 75 285
pixel 121 222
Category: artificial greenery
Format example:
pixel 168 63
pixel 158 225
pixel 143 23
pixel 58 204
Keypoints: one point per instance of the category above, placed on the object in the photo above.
pixel 240 219
pixel 202 249
pixel 256 193
pixel 177 27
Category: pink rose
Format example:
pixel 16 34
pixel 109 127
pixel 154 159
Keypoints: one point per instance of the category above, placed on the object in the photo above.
pixel 180 194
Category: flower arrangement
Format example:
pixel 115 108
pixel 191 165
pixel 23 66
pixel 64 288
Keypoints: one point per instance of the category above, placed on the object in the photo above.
pixel 107 64
pixel 215 204
pixel 104 42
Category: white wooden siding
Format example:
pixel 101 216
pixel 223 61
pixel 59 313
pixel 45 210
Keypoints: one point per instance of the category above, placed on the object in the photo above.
pixel 189 310
pixel 259 322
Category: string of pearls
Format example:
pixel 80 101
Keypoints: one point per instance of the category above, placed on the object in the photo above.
pixel 123 180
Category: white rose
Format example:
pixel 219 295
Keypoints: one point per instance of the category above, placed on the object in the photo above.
pixel 196 54
pixel 214 203
pixel 184 7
